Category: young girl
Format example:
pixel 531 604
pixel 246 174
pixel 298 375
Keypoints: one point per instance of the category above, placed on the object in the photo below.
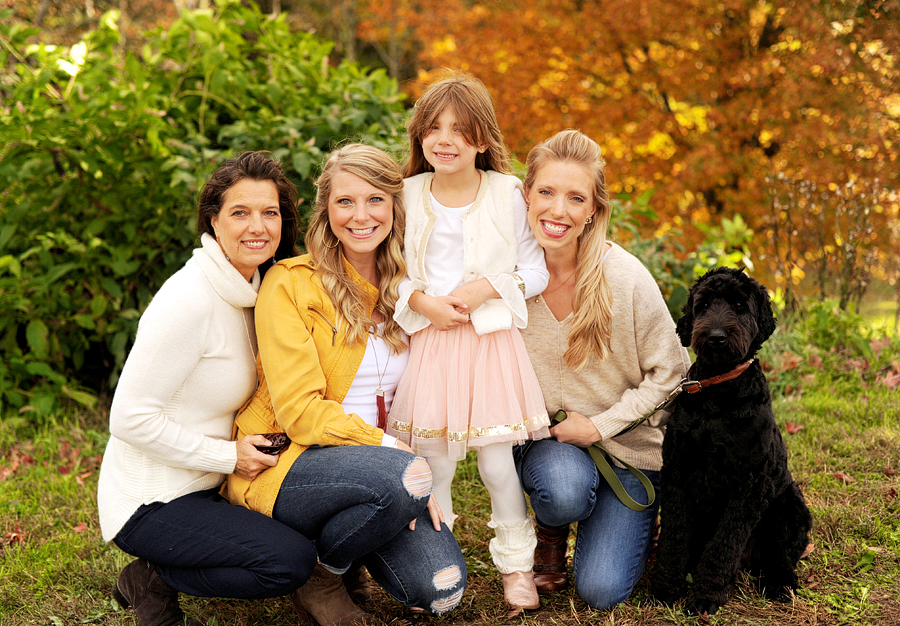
pixel 471 262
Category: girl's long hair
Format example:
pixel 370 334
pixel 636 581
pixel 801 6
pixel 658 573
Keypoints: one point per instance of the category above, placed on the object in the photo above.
pixel 592 299
pixel 381 171
pixel 473 106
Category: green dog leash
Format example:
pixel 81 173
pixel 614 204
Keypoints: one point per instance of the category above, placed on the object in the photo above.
pixel 598 455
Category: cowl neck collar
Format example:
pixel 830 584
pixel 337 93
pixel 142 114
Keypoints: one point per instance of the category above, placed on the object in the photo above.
pixel 224 277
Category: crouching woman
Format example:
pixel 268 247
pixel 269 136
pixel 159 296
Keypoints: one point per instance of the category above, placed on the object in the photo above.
pixel 330 358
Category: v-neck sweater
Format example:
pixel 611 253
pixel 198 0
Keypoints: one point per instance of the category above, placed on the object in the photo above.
pixel 645 363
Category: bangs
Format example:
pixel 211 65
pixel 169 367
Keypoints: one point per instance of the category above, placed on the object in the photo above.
pixel 466 116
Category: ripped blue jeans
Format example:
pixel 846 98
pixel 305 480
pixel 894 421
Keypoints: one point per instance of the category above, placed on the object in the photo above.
pixel 356 503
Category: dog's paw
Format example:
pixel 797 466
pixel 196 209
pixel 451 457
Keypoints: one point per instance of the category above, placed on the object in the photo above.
pixel 779 594
pixel 666 592
pixel 702 606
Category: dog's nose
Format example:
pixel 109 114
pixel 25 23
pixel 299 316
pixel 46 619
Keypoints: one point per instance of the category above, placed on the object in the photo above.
pixel 717 337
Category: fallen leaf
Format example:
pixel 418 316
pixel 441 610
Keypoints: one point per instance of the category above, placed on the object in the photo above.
pixel 14 537
pixel 790 361
pixel 793 428
pixel 841 476
pixel 889 380
pixel 889 471
pixel 810 548
pixel 891 494
pixel 816 361
pixel 80 528
pixel 877 345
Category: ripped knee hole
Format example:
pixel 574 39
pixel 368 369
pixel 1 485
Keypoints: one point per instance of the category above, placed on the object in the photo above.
pixel 417 478
pixel 445 604
pixel 447 578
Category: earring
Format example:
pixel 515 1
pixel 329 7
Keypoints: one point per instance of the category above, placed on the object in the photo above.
pixel 227 258
pixel 589 219
pixel 325 243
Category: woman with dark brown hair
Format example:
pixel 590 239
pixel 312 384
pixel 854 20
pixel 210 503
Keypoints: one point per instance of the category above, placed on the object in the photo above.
pixel 193 365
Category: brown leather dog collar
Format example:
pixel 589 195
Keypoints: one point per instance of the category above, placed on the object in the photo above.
pixel 693 386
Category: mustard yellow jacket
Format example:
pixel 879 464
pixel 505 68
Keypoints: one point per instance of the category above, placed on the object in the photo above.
pixel 305 369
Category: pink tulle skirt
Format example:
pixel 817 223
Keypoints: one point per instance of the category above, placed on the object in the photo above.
pixel 461 391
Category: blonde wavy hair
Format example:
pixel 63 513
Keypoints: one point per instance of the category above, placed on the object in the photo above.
pixel 592 299
pixel 473 106
pixel 381 171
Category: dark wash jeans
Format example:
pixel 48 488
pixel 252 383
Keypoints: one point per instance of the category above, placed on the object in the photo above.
pixel 351 501
pixel 203 546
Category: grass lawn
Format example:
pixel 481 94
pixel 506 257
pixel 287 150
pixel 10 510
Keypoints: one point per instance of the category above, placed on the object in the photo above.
pixel 55 569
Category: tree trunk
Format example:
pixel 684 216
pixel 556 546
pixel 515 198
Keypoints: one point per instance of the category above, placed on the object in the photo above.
pixel 41 13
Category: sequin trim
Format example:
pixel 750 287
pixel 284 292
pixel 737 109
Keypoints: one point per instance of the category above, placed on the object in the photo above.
pixel 530 424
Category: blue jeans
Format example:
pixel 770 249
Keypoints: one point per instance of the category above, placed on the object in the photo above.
pixel 203 546
pixel 352 502
pixel 613 542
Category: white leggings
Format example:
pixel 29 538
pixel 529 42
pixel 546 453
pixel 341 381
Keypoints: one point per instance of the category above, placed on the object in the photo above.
pixel 498 472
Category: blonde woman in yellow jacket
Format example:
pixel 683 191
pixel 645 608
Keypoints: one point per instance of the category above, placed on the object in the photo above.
pixel 330 358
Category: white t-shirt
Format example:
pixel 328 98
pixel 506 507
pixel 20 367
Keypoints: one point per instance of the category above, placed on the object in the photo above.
pixel 379 368
pixel 444 260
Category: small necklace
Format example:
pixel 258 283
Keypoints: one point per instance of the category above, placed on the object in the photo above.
pixel 563 283
pixel 379 392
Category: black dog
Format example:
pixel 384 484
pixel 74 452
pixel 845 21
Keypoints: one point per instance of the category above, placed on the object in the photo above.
pixel 729 498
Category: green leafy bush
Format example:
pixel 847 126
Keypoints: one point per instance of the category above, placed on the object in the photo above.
pixel 102 157
pixel 674 268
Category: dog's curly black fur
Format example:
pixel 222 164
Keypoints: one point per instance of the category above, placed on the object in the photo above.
pixel 729 498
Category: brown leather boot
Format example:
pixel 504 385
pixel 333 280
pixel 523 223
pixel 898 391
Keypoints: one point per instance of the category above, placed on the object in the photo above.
pixel 356 580
pixel 154 602
pixel 550 559
pixel 325 599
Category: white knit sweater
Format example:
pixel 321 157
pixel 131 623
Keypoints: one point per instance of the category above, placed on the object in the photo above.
pixel 193 365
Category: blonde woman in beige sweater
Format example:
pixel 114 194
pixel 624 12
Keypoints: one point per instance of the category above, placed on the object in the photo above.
pixel 604 348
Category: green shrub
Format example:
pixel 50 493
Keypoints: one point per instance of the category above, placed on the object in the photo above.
pixel 674 269
pixel 102 158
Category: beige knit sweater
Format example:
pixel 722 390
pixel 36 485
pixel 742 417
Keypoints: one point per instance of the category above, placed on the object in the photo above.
pixel 646 363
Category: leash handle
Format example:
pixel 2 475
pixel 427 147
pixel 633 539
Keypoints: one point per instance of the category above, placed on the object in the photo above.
pixel 598 456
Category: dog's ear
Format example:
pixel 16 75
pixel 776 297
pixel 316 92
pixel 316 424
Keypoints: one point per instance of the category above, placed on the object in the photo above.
pixel 685 325
pixel 765 318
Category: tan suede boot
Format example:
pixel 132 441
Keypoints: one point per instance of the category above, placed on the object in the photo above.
pixel 356 580
pixel 550 559
pixel 325 599
pixel 154 602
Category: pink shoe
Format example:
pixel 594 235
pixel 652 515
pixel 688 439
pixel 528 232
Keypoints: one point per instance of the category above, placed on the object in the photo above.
pixel 520 592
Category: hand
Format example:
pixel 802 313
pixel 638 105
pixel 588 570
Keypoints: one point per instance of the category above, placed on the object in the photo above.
pixel 444 312
pixel 577 430
pixel 251 462
pixel 437 516
pixel 475 293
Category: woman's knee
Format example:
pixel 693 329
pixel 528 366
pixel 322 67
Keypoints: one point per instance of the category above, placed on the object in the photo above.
pixel 448 586
pixel 417 478
pixel 603 592
pixel 561 504
pixel 288 564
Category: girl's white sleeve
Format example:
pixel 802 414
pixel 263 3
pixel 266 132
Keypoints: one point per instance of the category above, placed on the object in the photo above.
pixel 531 275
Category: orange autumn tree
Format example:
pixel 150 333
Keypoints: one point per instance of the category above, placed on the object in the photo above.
pixel 723 107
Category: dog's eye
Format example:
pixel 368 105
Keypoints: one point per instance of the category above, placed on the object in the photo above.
pixel 739 306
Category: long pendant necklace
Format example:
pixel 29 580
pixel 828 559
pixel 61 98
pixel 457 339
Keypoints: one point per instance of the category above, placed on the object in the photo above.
pixel 379 392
